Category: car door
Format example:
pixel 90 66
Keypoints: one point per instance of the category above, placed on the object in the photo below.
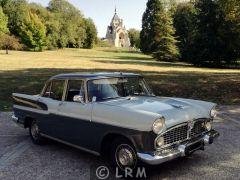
pixel 52 97
pixel 75 122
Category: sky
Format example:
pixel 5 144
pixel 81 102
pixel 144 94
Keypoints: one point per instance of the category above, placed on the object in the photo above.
pixel 102 11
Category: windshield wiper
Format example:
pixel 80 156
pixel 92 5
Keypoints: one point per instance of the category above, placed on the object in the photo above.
pixel 108 98
pixel 148 95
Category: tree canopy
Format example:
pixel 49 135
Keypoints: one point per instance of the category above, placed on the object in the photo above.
pixel 184 22
pixel 33 33
pixel 91 34
pixel 3 22
pixel 59 25
pixel 216 40
pixel 206 32
pixel 157 35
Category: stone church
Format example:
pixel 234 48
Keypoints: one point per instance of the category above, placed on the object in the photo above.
pixel 117 35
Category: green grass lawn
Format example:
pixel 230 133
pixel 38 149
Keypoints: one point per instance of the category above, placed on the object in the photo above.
pixel 26 72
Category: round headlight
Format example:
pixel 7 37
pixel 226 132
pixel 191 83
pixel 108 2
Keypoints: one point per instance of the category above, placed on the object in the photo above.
pixel 160 141
pixel 158 125
pixel 208 126
pixel 213 113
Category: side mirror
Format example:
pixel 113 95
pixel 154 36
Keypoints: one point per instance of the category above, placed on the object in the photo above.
pixel 78 98
pixel 94 99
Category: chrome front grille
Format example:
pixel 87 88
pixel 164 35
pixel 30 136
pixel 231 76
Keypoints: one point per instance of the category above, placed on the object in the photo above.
pixel 198 128
pixel 183 132
pixel 176 134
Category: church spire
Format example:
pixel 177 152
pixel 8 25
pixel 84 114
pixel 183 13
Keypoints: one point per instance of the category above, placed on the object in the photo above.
pixel 115 17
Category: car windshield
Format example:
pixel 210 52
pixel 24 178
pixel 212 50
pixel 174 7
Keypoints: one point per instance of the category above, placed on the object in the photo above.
pixel 111 88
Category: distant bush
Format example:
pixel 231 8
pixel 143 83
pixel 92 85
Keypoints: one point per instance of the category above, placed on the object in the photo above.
pixel 103 43
pixel 8 42
pixel 134 36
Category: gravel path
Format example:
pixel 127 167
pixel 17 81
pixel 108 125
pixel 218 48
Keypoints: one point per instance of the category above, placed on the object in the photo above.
pixel 21 160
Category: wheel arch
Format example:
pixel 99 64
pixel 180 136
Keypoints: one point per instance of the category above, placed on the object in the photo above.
pixel 27 121
pixel 109 138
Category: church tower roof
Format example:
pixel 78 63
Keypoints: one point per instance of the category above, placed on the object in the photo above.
pixel 115 17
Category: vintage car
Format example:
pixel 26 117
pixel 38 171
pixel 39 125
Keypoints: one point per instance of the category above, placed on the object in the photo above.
pixel 116 114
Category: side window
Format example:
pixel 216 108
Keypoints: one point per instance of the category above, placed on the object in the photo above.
pixel 57 89
pixel 75 87
pixel 47 91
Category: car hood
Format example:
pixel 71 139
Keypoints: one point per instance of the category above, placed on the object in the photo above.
pixel 174 110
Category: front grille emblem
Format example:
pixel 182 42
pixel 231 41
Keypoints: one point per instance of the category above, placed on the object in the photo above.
pixel 190 125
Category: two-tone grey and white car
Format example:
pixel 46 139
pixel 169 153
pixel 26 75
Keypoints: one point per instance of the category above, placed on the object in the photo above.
pixel 116 114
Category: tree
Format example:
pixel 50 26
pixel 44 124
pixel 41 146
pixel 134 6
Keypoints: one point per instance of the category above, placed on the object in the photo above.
pixel 3 22
pixel 51 23
pixel 91 34
pixel 3 2
pixel 207 47
pixel 157 35
pixel 184 19
pixel 71 23
pixel 147 33
pixel 33 33
pixel 8 42
pixel 216 41
pixel 134 37
pixel 230 30
pixel 17 13
pixel 57 26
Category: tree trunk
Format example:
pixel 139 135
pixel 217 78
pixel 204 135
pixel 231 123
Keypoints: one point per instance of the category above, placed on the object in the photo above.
pixel 6 50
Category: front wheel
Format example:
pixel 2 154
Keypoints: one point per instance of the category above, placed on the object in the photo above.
pixel 123 154
pixel 35 133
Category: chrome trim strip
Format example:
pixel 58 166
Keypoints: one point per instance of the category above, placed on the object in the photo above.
pixel 70 144
pixel 30 109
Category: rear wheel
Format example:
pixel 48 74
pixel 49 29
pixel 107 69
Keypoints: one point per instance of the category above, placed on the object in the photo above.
pixel 123 154
pixel 35 133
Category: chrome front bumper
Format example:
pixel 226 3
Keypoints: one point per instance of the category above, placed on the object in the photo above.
pixel 184 149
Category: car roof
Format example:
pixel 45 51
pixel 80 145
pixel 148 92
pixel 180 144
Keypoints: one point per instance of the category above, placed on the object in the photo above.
pixel 94 75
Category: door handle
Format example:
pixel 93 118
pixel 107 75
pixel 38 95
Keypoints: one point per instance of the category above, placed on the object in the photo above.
pixel 39 100
pixel 62 103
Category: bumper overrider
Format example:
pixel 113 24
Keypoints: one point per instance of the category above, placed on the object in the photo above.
pixel 17 121
pixel 181 150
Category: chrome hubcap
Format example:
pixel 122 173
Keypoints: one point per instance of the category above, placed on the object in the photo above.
pixel 125 157
pixel 34 131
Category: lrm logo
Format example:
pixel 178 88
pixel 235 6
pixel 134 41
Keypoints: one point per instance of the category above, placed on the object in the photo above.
pixel 103 172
